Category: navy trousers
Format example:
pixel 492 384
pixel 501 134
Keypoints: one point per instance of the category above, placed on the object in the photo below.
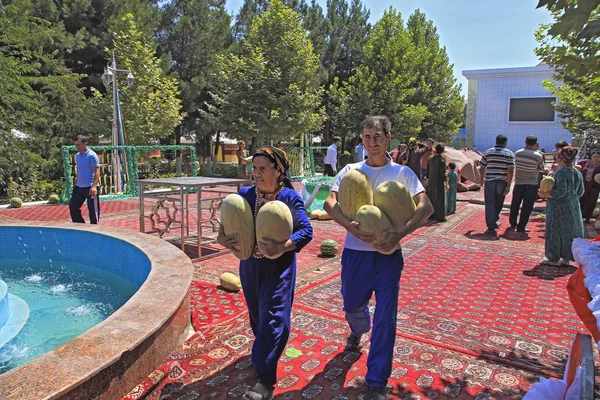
pixel 493 195
pixel 79 196
pixel 269 291
pixel 365 272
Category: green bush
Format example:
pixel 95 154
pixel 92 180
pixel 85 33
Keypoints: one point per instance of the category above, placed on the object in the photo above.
pixel 33 190
pixel 345 159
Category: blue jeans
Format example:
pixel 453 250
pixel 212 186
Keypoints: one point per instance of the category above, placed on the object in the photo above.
pixel 494 200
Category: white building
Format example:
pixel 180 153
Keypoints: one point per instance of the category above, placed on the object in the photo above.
pixel 513 102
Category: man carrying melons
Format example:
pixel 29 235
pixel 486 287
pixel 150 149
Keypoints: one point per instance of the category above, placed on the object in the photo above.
pixel 364 268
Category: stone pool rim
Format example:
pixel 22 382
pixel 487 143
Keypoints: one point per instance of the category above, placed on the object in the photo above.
pixel 141 319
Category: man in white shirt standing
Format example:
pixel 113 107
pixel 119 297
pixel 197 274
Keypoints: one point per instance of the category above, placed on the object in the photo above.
pixel 330 162
pixel 366 270
pixel 359 151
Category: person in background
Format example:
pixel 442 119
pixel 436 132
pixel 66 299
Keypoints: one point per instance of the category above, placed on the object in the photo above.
pixel 559 145
pixel 86 186
pixel 397 152
pixel 529 163
pixel 452 188
pixel 359 151
pixel 563 212
pixel 364 269
pixel 590 168
pixel 497 166
pixel 268 284
pixel 413 155
pixel 242 156
pixel 425 157
pixel 436 182
pixel 330 162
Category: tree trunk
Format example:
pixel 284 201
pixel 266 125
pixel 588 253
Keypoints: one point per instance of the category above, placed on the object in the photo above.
pixel 214 155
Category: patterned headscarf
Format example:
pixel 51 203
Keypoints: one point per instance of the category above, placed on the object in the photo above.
pixel 567 154
pixel 280 158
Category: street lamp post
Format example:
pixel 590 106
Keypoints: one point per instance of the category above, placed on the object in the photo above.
pixel 118 135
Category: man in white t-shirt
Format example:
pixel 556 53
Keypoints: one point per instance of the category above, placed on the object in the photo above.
pixel 364 269
pixel 330 161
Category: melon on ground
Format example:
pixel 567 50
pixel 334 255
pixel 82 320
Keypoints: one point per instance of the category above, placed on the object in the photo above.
pixel 547 184
pixel 371 219
pixel 273 221
pixel 328 247
pixel 236 218
pixel 16 202
pixel 230 282
pixel 597 178
pixel 355 191
pixel 396 202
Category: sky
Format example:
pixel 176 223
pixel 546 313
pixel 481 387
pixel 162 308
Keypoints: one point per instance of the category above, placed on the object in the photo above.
pixel 477 34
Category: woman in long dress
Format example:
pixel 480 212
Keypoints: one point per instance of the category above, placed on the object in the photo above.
pixel 269 284
pixel 436 181
pixel 563 213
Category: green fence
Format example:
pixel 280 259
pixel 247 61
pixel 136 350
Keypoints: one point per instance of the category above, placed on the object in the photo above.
pixel 305 162
pixel 134 164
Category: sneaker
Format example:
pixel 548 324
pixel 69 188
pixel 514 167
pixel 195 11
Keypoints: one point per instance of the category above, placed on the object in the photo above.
pixel 378 393
pixel 545 261
pixel 490 232
pixel 352 343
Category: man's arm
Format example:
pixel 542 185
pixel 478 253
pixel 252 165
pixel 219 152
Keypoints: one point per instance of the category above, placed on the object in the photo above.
pixel 509 178
pixel 94 188
pixel 390 239
pixel 335 212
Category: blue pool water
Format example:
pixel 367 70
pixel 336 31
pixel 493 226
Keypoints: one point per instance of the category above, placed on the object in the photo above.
pixel 68 290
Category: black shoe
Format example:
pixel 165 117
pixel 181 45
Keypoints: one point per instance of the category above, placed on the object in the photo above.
pixel 513 227
pixel 524 230
pixel 352 343
pixel 378 393
pixel 490 232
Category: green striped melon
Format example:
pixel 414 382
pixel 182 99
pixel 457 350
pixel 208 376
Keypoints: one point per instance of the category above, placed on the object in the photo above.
pixel 53 199
pixel 237 218
pixel 328 247
pixel 371 219
pixel 16 202
pixel 273 221
pixel 394 199
pixel 355 191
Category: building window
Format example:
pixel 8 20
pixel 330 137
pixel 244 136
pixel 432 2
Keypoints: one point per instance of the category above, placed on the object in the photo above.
pixel 531 109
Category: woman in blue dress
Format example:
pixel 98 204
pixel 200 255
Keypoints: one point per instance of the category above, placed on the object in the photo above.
pixel 268 285
pixel 563 212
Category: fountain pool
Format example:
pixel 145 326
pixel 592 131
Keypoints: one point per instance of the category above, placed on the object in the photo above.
pixel 105 307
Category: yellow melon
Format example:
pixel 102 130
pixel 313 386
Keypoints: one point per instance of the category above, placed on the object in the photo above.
pixel 372 219
pixel 597 178
pixel 547 184
pixel 394 199
pixel 236 217
pixel 314 214
pixel 273 221
pixel 230 282
pixel 355 191
pixel 324 216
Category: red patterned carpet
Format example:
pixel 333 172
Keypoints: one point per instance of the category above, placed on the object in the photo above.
pixel 479 318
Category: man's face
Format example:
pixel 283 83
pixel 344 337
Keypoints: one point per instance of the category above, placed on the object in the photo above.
pixel 81 147
pixel 375 141
pixel 430 143
pixel 338 143
pixel 402 147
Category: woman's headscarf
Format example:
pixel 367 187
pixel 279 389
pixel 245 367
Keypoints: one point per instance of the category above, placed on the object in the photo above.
pixel 567 154
pixel 281 160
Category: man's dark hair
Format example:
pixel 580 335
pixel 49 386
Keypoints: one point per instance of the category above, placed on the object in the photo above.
pixel 501 139
pixel 378 122
pixel 439 148
pixel 337 139
pixel 531 140
pixel 452 165
pixel 82 139
pixel 561 144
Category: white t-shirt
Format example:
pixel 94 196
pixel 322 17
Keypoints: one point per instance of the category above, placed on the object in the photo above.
pixel 331 157
pixel 389 172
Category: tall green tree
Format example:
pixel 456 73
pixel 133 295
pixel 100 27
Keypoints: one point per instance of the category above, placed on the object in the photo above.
pixel 270 90
pixel 404 75
pixel 151 106
pixel 192 33
pixel 571 46
pixel 252 9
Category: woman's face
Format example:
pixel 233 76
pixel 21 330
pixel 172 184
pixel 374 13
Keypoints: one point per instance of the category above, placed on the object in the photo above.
pixel 596 158
pixel 266 174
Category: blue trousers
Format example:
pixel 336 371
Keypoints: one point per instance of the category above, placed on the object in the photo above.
pixel 365 272
pixel 269 291
pixel 493 194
